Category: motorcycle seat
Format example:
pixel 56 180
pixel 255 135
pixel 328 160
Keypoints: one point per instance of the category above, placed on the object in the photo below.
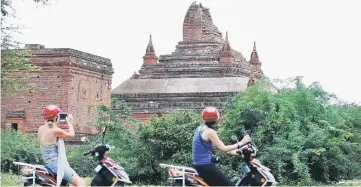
pixel 178 171
pixel 50 175
pixel 257 163
pixel 190 170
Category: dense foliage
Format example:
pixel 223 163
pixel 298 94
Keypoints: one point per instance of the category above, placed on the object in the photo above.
pixel 301 135
pixel 166 139
pixel 18 147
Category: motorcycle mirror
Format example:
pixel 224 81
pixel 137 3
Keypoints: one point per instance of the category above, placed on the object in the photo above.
pixel 104 131
pixel 233 139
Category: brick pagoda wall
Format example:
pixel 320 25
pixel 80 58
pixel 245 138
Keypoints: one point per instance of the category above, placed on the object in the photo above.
pixel 143 117
pixel 68 78
pixel 88 89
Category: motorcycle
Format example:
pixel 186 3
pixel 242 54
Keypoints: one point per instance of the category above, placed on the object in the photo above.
pixel 252 173
pixel 108 172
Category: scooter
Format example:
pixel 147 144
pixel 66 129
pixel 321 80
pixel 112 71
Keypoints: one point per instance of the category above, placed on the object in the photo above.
pixel 108 172
pixel 252 173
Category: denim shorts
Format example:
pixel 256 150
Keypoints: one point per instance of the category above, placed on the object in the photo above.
pixel 68 171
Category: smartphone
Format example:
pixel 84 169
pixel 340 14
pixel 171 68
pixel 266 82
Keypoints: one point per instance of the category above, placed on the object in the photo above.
pixel 62 117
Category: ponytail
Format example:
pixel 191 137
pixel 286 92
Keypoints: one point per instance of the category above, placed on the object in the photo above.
pixel 211 124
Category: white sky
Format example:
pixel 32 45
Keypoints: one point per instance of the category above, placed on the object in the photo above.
pixel 320 40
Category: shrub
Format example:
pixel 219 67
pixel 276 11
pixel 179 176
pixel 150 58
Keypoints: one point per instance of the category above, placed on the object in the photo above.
pixel 9 179
pixel 19 147
pixel 166 139
pixel 83 165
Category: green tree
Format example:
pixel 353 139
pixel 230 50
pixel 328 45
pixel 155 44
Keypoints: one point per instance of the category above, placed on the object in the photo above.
pixel 14 63
pixel 302 136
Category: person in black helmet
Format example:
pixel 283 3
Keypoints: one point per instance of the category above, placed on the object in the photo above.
pixel 205 137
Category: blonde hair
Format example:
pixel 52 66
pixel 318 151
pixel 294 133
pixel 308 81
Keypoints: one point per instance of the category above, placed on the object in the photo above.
pixel 51 123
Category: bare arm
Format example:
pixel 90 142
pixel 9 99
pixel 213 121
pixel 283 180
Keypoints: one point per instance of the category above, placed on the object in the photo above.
pixel 60 133
pixel 233 152
pixel 64 134
pixel 246 139
pixel 212 135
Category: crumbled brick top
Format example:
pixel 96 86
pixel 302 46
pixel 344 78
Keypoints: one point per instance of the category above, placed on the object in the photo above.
pixel 83 60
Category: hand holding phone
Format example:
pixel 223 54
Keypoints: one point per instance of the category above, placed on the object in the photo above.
pixel 63 118
pixel 70 119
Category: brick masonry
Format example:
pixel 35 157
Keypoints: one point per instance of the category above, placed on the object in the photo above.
pixel 73 80
pixel 143 117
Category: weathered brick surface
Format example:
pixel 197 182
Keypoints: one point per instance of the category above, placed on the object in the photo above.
pixel 87 90
pixel 71 79
pixel 150 58
pixel 256 64
pixel 198 25
pixel 143 117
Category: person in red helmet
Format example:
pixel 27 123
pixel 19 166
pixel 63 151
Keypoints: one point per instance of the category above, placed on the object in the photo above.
pixel 205 137
pixel 48 136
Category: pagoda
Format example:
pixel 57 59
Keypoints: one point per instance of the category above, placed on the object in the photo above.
pixel 202 71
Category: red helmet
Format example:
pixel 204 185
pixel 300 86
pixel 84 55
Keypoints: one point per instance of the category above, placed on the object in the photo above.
pixel 50 112
pixel 210 114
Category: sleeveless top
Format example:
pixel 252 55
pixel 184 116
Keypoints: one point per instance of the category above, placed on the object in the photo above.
pixel 201 148
pixel 49 153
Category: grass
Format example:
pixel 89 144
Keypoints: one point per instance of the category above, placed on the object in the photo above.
pixel 350 183
pixel 8 179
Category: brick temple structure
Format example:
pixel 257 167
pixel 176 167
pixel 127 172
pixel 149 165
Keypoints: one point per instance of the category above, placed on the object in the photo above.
pixel 71 79
pixel 203 71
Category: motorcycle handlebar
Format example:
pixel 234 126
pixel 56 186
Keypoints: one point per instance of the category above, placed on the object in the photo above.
pixel 247 146
pixel 244 147
pixel 87 153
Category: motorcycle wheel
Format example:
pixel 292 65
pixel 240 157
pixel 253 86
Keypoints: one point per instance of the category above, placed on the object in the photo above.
pixel 121 184
pixel 178 183
pixel 118 184
pixel 30 183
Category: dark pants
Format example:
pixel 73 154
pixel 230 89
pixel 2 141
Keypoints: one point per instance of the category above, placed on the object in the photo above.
pixel 212 175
